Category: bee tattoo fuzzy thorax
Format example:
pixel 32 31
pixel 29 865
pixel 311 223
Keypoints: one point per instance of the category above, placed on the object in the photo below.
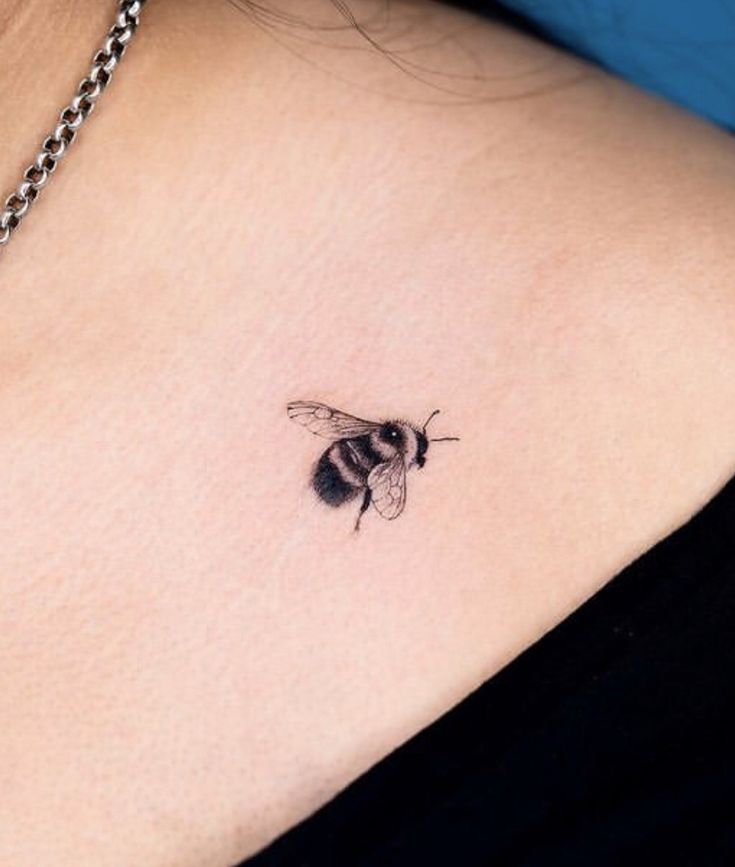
pixel 366 457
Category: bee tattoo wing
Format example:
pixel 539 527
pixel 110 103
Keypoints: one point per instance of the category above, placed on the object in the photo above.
pixel 324 421
pixel 387 483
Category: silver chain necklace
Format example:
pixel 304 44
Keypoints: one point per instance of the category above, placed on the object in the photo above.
pixel 71 119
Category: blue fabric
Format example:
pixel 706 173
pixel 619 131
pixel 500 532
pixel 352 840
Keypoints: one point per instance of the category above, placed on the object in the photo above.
pixel 681 49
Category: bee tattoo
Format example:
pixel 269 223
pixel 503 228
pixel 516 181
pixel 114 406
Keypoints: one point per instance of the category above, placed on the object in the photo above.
pixel 367 457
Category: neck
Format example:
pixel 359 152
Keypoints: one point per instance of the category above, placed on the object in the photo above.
pixel 29 29
pixel 9 12
pixel 45 49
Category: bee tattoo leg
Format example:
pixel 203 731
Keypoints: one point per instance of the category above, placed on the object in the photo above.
pixel 366 500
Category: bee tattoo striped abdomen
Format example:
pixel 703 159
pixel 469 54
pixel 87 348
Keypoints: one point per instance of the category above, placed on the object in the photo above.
pixel 337 477
pixel 368 458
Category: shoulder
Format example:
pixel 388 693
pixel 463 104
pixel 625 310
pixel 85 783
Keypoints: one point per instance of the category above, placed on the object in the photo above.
pixel 248 223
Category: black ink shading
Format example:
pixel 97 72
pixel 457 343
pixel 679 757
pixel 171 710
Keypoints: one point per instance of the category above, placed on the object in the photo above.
pixel 366 457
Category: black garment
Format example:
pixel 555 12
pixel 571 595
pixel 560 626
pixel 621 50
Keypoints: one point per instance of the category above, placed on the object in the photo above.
pixel 611 741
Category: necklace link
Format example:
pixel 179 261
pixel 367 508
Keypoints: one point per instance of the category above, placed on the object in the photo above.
pixel 18 204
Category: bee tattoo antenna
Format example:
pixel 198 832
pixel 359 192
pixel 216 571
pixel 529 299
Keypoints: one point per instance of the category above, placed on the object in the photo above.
pixel 426 423
pixel 438 439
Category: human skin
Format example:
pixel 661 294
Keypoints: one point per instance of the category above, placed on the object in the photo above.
pixel 195 653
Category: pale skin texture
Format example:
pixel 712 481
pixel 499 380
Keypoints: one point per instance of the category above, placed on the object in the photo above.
pixel 194 653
